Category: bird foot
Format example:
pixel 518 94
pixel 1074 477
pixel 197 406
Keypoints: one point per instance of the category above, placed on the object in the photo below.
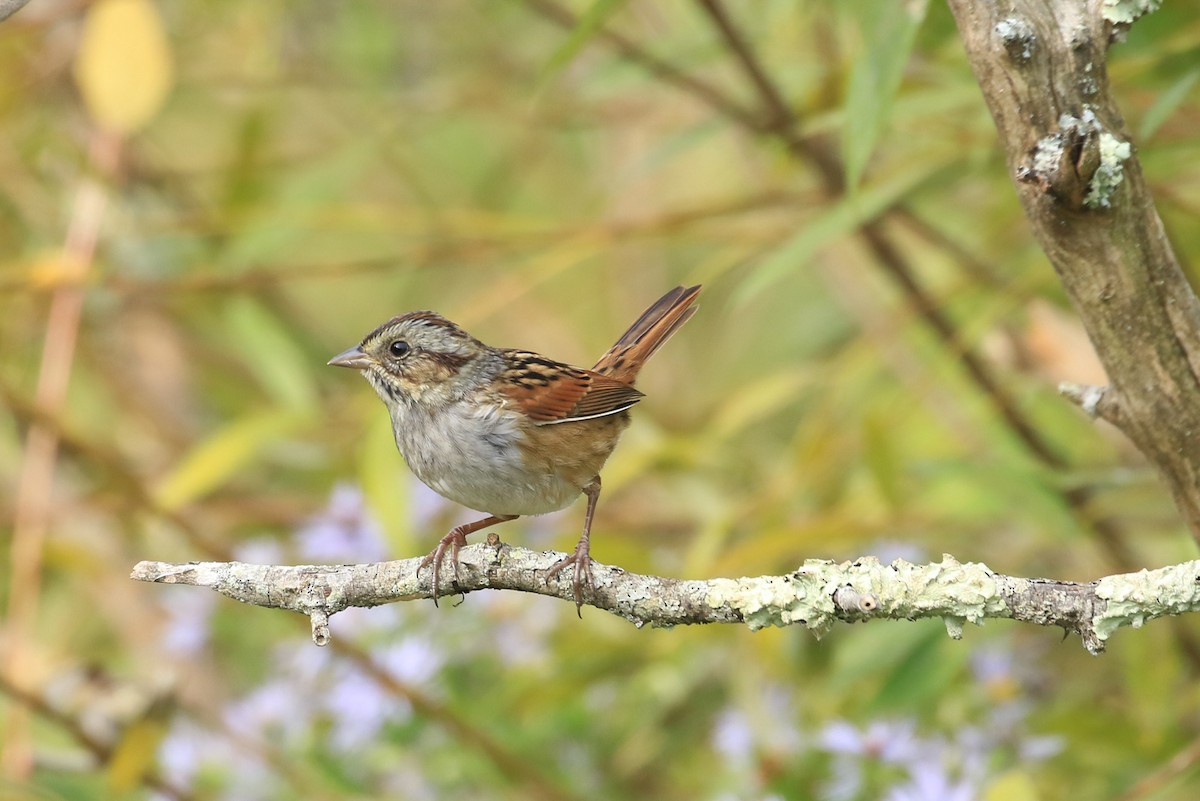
pixel 456 539
pixel 582 560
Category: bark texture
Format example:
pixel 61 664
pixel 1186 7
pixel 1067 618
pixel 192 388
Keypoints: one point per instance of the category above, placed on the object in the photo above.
pixel 816 595
pixel 1041 67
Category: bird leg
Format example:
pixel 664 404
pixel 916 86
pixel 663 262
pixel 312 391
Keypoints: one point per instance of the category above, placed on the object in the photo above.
pixel 581 557
pixel 456 539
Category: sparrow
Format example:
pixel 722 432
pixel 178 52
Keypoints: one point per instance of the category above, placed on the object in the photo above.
pixel 504 431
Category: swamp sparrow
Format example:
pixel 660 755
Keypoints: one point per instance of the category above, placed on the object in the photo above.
pixel 508 432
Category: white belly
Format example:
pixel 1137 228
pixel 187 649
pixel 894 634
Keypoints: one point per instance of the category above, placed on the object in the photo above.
pixel 468 453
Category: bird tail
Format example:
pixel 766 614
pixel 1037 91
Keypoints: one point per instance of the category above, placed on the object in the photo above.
pixel 624 360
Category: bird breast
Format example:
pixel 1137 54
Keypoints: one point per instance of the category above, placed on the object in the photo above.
pixel 476 454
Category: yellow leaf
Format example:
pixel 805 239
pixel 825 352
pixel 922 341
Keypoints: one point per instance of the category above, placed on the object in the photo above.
pixel 757 399
pixel 1016 785
pixel 50 270
pixel 217 459
pixel 123 67
pixel 134 754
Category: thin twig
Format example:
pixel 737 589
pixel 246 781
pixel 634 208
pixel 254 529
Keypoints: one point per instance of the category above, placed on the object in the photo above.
pixel 1184 760
pixel 100 751
pixel 36 482
pixel 520 771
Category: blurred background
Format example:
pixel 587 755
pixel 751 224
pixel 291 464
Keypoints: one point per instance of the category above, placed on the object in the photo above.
pixel 202 202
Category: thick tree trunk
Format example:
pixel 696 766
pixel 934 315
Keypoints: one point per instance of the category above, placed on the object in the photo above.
pixel 1041 66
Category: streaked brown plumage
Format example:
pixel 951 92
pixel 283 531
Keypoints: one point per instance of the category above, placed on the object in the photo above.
pixel 508 432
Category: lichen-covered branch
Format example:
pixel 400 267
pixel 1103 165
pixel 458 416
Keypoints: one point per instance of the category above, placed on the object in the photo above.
pixel 1042 68
pixel 816 595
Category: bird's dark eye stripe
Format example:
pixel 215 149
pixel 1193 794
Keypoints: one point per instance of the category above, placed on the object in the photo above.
pixel 398 348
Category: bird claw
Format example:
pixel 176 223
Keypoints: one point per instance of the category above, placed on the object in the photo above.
pixel 452 541
pixel 456 539
pixel 582 574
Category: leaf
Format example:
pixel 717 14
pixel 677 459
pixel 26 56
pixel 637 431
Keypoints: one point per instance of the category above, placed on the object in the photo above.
pixel 585 28
pixel 674 145
pixel 1016 785
pixel 922 675
pixel 135 752
pixel 842 218
pixel 755 400
pixel 215 460
pixel 862 658
pixel 290 225
pixel 271 354
pixel 123 66
pixel 882 461
pixel 388 485
pixel 889 30
pixel 1167 102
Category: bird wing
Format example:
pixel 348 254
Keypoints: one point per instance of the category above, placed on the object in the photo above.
pixel 553 392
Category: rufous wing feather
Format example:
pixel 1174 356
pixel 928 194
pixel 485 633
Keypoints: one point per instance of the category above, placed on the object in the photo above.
pixel 551 392
pixel 624 360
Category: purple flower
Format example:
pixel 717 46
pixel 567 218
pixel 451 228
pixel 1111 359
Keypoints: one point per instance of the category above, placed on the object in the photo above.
pixel 259 551
pixel 302 664
pixel 993 664
pixel 889 550
pixel 189 749
pixel 1038 748
pixel 929 781
pixel 425 505
pixel 359 708
pixel 847 780
pixel 517 628
pixel 414 660
pixel 891 742
pixel 779 705
pixel 344 531
pixel 275 710
pixel 183 751
pixel 733 736
pixel 188 615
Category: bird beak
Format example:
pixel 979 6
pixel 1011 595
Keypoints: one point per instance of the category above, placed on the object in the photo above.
pixel 354 357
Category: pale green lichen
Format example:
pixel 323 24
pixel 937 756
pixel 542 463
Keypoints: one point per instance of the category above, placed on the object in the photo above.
pixel 779 600
pixel 1086 81
pixel 947 589
pixel 1048 155
pixel 1134 598
pixel 1017 37
pixel 1110 173
pixel 951 588
pixel 1125 12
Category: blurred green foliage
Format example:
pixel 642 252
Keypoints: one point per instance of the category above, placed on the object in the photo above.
pixel 319 167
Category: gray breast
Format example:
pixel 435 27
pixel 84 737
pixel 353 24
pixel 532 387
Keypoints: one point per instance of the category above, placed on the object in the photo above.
pixel 468 452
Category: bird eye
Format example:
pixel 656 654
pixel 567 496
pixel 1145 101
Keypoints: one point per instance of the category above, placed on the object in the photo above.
pixel 399 348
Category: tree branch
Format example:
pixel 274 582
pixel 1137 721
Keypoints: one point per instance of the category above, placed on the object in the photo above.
pixel 100 751
pixel 1095 401
pixel 10 7
pixel 816 595
pixel 1041 67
